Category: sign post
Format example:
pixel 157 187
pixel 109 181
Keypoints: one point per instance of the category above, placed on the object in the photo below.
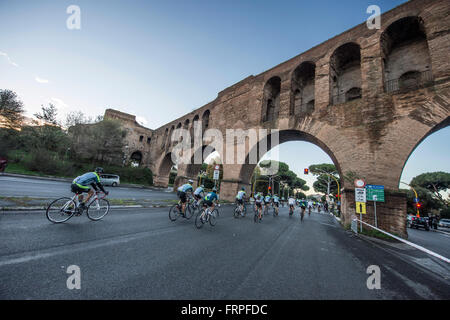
pixel 360 199
pixel 216 174
pixel 376 194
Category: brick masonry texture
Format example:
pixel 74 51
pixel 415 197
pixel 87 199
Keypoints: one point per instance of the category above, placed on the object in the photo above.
pixel 371 134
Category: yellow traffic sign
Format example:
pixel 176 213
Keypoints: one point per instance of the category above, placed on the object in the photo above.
pixel 361 207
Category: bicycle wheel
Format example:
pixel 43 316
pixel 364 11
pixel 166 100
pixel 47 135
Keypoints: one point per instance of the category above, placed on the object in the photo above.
pixel 174 212
pixel 213 217
pixel 97 209
pixel 61 210
pixel 189 211
pixel 198 221
pixel 236 212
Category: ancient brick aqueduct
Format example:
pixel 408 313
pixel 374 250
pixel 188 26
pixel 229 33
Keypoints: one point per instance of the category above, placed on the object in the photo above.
pixel 366 97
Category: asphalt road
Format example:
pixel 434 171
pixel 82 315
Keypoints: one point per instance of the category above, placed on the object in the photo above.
pixel 140 254
pixel 40 188
pixel 438 242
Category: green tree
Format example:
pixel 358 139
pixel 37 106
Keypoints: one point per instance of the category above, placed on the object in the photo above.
pixel 99 142
pixel 435 183
pixel 48 114
pixel 11 109
pixel 324 183
pixel 426 199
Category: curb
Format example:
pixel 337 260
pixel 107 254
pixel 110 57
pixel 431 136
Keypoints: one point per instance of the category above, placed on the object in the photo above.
pixel 6 209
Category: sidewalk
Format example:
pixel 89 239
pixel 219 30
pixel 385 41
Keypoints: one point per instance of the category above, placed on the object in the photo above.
pixel 52 178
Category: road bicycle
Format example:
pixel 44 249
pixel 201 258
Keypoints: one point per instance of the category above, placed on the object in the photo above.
pixel 258 215
pixel 266 209
pixel 275 211
pixel 291 210
pixel 302 213
pixel 238 212
pixel 175 211
pixel 206 215
pixel 62 209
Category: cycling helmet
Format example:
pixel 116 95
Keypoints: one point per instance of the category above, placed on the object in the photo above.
pixel 99 170
pixel 214 189
pixel 202 186
pixel 243 189
pixel 190 181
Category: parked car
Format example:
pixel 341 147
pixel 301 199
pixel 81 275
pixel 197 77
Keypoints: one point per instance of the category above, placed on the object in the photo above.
pixel 409 219
pixel 420 222
pixel 110 180
pixel 444 223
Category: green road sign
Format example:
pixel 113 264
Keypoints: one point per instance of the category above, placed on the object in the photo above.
pixel 375 193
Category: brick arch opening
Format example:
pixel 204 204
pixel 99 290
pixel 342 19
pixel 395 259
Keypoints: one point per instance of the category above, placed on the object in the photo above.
pixel 193 168
pixel 444 124
pixel 205 120
pixel 136 158
pixel 247 169
pixel 345 71
pixel 164 138
pixel 302 89
pixel 165 166
pixel 193 124
pixel 405 52
pixel 271 99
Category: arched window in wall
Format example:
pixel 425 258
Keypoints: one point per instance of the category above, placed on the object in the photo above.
pixel 164 138
pixel 271 99
pixel 205 120
pixel 345 73
pixel 194 123
pixel 303 77
pixel 406 56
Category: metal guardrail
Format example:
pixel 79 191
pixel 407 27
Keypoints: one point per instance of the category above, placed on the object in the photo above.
pixel 423 79
pixel 434 254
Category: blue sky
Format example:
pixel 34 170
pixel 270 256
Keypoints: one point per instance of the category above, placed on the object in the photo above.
pixel 162 59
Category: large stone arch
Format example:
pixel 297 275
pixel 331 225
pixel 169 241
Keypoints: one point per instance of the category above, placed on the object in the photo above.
pixel 161 178
pixel 444 124
pixel 246 169
pixel 191 170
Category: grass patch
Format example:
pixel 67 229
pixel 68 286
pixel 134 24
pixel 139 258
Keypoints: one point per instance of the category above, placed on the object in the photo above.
pixel 377 234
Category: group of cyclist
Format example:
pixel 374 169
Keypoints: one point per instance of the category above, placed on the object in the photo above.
pixel 208 201
pixel 90 182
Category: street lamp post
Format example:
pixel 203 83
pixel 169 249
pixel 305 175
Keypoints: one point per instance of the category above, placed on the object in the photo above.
pixel 417 197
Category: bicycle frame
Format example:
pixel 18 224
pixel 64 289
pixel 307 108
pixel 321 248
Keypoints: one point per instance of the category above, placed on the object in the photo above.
pixel 93 198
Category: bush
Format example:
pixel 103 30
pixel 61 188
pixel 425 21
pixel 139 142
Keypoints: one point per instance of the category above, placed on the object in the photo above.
pixel 48 163
pixel 131 175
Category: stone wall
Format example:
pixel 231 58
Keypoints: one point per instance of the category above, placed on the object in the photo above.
pixel 371 136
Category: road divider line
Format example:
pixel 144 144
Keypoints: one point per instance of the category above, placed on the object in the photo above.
pixel 434 254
